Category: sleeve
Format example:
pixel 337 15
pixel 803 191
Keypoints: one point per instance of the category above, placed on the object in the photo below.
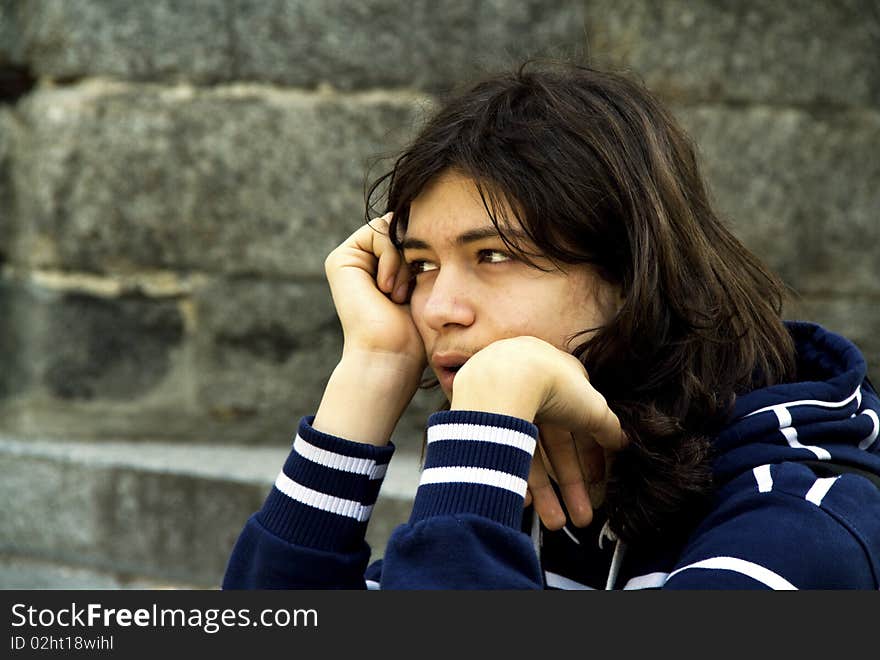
pixel 781 527
pixel 465 528
pixel 310 531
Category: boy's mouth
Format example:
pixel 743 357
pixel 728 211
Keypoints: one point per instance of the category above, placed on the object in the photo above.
pixel 446 366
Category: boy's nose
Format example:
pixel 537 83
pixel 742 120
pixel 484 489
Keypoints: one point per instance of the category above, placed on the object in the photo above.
pixel 450 301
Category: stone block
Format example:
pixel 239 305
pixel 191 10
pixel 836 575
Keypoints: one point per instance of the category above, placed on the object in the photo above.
pixel 76 364
pixel 31 573
pixel 382 43
pixel 5 187
pixel 799 52
pixel 75 346
pixel 164 39
pixel 351 45
pixel 217 360
pixel 7 32
pixel 162 511
pixel 120 517
pixel 115 178
pixel 798 188
pixel 264 346
pixel 264 351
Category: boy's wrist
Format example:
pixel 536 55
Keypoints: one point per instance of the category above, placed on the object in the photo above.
pixel 365 397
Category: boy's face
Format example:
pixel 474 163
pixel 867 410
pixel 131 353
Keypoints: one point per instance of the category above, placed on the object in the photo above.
pixel 470 290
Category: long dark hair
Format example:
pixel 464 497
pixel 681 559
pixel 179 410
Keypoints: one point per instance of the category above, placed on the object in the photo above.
pixel 597 171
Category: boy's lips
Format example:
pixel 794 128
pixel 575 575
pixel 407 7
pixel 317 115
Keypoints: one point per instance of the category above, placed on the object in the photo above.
pixel 446 365
pixel 446 378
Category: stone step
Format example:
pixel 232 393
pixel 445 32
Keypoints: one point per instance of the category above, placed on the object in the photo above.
pixel 28 573
pixel 81 514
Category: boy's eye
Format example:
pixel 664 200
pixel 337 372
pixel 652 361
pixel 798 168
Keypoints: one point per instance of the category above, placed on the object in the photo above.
pixel 420 266
pixel 494 256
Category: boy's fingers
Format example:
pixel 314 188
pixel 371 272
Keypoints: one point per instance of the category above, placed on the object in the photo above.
pixel 373 238
pixel 591 457
pixel 543 497
pixel 400 292
pixel 603 425
pixel 560 450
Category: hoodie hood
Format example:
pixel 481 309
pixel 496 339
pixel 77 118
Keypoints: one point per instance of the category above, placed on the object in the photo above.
pixel 831 414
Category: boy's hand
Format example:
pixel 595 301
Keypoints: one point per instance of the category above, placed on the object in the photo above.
pixel 370 287
pixel 529 378
pixel 577 465
pixel 383 356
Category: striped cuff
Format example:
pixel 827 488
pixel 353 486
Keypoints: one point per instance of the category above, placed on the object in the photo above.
pixel 324 494
pixel 476 462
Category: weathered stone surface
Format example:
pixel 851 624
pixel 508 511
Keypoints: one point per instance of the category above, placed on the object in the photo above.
pixel 30 573
pixel 381 43
pixel 264 352
pixel 5 187
pixel 114 178
pixel 264 346
pixel 775 52
pixel 299 43
pixel 800 189
pixel 232 361
pixel 14 374
pixel 141 40
pixel 7 36
pixel 164 511
pixel 86 357
pixel 855 317
pixel 114 349
pixel 121 518
pixel 72 346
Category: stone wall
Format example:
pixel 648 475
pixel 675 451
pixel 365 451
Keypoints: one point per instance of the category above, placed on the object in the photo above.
pixel 173 173
pixel 784 101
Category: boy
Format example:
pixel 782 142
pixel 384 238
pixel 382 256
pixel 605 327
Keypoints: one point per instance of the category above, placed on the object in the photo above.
pixel 615 365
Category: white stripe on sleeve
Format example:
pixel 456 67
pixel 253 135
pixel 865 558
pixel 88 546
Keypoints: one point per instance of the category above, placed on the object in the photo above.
pixel 364 466
pixel 322 501
pixel 473 475
pixel 482 433
pixel 755 571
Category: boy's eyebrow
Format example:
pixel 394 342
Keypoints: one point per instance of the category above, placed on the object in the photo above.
pixel 470 236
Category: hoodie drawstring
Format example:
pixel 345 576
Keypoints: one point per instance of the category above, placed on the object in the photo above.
pixel 616 559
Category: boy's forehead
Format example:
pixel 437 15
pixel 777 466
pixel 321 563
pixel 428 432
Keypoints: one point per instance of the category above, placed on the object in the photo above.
pixel 455 197
pixel 450 209
pixel 460 235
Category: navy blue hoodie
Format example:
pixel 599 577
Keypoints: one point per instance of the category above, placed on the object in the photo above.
pixel 794 506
